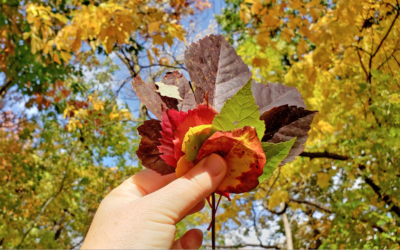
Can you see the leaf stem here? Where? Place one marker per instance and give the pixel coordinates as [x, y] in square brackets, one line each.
[213, 221]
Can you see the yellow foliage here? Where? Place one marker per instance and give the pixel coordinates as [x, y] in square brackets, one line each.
[323, 180]
[277, 197]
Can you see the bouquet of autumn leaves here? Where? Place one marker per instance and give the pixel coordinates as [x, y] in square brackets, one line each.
[255, 127]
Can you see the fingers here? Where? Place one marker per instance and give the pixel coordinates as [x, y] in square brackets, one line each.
[175, 200]
[197, 207]
[145, 182]
[191, 240]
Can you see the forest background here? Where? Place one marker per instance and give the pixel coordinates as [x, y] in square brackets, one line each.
[68, 115]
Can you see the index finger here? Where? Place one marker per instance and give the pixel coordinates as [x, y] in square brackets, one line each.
[146, 181]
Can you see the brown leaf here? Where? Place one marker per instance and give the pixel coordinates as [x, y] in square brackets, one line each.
[185, 91]
[215, 67]
[284, 123]
[151, 99]
[272, 95]
[148, 151]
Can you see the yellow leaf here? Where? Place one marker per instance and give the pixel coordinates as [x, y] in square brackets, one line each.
[323, 180]
[56, 58]
[291, 77]
[26, 35]
[154, 26]
[244, 13]
[158, 39]
[198, 130]
[276, 198]
[76, 45]
[302, 48]
[258, 61]
[65, 56]
[256, 7]
[287, 34]
[150, 57]
[62, 18]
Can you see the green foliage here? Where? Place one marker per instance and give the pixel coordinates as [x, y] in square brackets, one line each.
[240, 111]
[274, 153]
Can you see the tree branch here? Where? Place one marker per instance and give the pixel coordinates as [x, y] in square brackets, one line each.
[5, 87]
[265, 205]
[386, 35]
[163, 65]
[362, 65]
[328, 210]
[394, 208]
[319, 206]
[324, 154]
[243, 245]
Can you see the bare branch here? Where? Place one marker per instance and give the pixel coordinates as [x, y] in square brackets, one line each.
[265, 205]
[163, 65]
[319, 206]
[324, 154]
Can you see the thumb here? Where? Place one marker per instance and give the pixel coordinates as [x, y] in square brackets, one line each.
[176, 199]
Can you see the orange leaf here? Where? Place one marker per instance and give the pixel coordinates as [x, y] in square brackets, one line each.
[243, 154]
[56, 58]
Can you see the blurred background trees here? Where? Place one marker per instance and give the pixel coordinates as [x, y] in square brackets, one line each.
[68, 117]
[343, 56]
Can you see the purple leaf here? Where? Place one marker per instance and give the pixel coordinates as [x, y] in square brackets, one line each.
[215, 68]
[151, 99]
[284, 123]
[272, 95]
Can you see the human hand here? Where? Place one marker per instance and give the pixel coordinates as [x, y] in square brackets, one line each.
[142, 212]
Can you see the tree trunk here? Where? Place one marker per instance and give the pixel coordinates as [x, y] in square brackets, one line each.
[288, 232]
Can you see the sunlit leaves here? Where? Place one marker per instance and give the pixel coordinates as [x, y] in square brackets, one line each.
[343, 58]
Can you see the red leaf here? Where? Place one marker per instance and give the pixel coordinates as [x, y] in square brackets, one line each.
[174, 127]
[201, 115]
[148, 151]
[170, 120]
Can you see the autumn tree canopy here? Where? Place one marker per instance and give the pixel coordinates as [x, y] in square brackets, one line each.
[343, 56]
[67, 139]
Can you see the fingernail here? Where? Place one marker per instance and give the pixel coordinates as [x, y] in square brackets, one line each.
[215, 165]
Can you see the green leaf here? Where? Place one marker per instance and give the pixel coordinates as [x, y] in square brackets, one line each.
[240, 111]
[275, 153]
